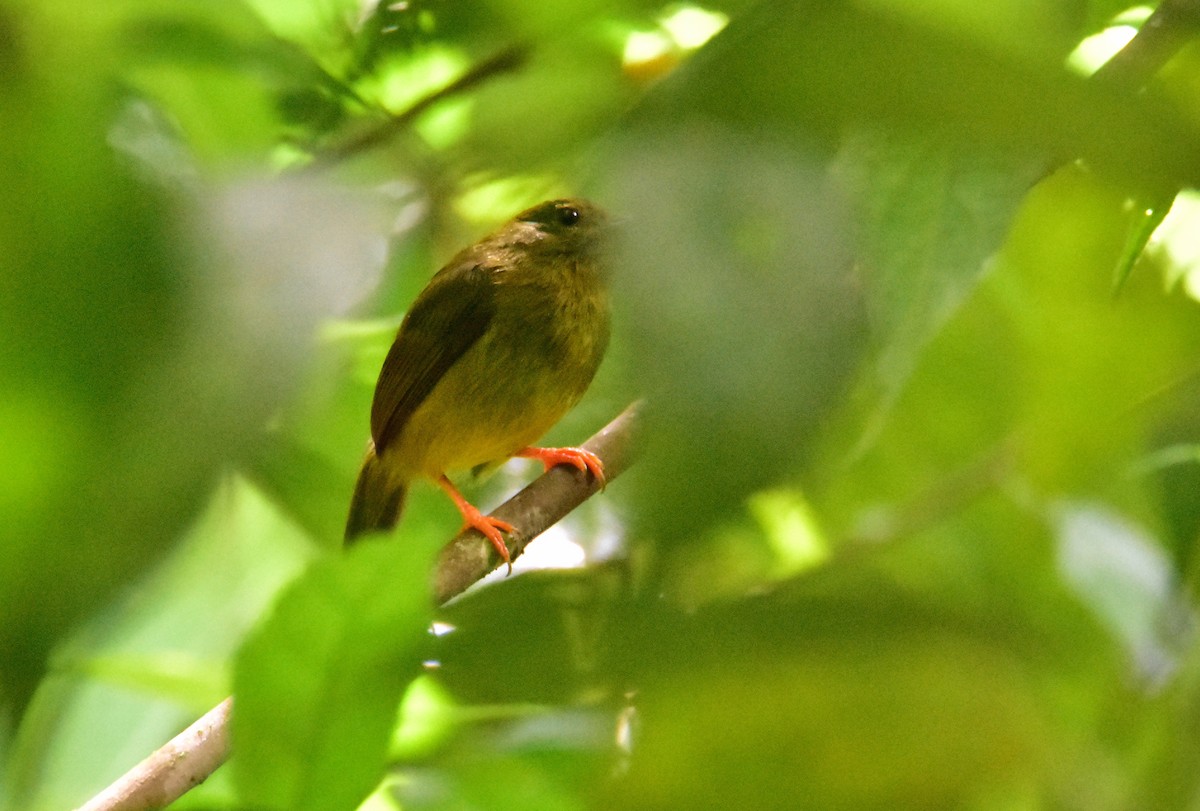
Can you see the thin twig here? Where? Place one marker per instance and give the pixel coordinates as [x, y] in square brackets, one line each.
[1172, 25]
[195, 753]
[507, 60]
[535, 509]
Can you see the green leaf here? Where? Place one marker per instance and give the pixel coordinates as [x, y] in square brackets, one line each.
[846, 689]
[1149, 214]
[317, 687]
[744, 320]
[931, 213]
[92, 307]
[135, 674]
[1126, 579]
[817, 69]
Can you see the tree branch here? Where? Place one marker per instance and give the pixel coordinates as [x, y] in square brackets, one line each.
[185, 762]
[535, 509]
[1171, 26]
[507, 60]
[190, 757]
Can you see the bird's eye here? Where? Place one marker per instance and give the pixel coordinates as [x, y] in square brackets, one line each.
[568, 215]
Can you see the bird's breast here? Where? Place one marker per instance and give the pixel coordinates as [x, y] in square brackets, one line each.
[530, 367]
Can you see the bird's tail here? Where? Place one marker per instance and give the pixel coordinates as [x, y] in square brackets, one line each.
[378, 500]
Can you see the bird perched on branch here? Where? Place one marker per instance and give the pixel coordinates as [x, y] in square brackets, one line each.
[500, 344]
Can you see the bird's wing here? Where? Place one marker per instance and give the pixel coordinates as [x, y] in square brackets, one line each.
[444, 322]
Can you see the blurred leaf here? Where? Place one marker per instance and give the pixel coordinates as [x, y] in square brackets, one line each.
[846, 690]
[524, 662]
[150, 338]
[1044, 29]
[221, 76]
[1170, 471]
[1027, 367]
[936, 721]
[177, 676]
[319, 684]
[931, 215]
[304, 482]
[1080, 426]
[140, 670]
[324, 30]
[744, 321]
[1102, 12]
[543, 661]
[92, 302]
[1127, 580]
[815, 68]
[549, 759]
[831, 221]
[1149, 214]
[568, 95]
[862, 697]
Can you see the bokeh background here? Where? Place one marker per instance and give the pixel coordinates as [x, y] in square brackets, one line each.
[909, 287]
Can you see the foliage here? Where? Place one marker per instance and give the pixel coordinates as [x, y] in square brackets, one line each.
[914, 518]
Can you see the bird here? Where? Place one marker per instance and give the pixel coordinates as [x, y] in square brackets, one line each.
[500, 344]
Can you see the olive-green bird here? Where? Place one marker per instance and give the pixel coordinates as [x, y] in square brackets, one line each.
[500, 344]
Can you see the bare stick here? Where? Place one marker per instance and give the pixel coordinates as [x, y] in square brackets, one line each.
[535, 509]
[186, 761]
[195, 753]
[1166, 31]
[507, 60]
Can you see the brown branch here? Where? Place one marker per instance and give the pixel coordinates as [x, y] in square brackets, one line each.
[1172, 25]
[535, 509]
[507, 60]
[189, 758]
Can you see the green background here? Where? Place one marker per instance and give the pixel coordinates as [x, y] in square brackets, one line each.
[914, 516]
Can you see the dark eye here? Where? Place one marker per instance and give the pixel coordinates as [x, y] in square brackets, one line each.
[568, 215]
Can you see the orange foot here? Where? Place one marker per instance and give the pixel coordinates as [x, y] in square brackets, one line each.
[486, 524]
[576, 457]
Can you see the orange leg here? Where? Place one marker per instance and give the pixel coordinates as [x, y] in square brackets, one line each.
[472, 517]
[576, 457]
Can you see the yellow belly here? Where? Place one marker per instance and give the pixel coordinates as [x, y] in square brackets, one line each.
[472, 419]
